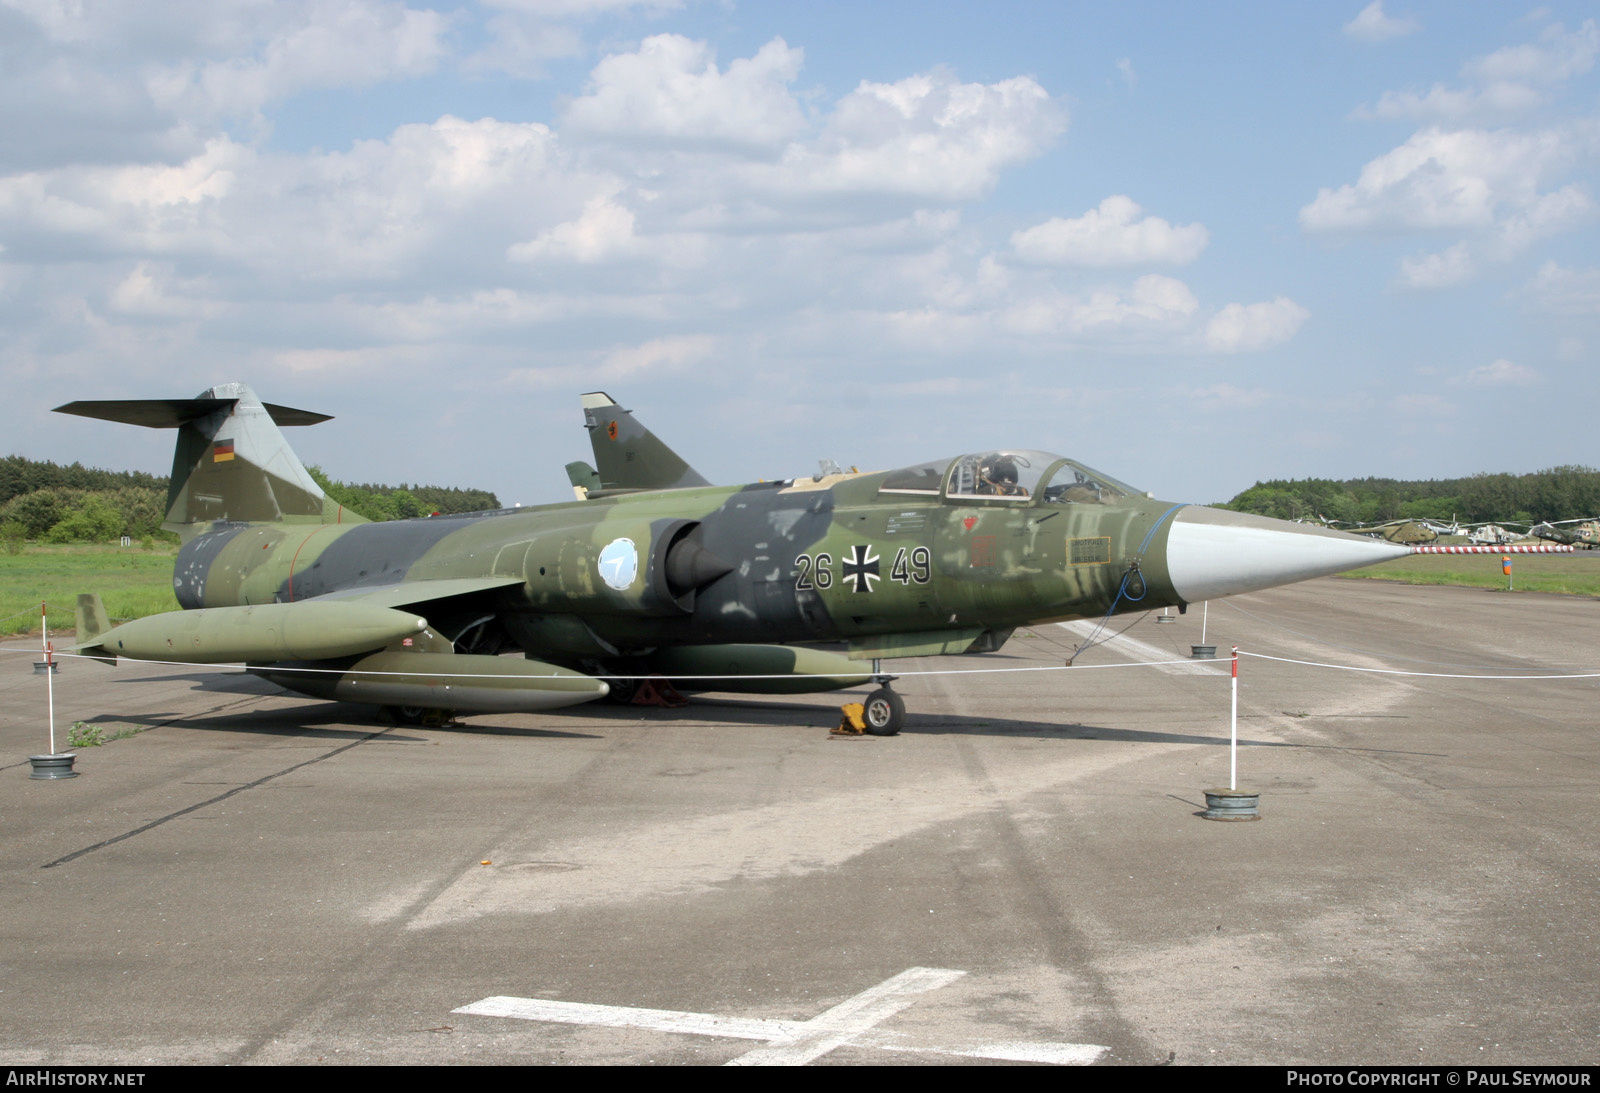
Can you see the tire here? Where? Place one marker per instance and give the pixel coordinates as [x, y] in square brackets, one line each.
[622, 690]
[884, 712]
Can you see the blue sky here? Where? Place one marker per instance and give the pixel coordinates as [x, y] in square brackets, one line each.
[1192, 245]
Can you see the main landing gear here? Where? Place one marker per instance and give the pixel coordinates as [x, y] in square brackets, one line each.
[426, 716]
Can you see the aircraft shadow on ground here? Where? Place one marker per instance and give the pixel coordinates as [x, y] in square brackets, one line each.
[336, 720]
[239, 682]
[318, 720]
[747, 712]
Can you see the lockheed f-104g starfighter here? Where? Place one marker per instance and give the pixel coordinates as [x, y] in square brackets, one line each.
[779, 587]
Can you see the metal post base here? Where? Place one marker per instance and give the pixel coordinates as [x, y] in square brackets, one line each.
[1232, 804]
[53, 766]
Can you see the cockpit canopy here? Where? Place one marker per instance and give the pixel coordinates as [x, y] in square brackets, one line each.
[1010, 475]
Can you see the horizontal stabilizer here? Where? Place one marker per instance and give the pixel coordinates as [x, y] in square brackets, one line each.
[171, 413]
[230, 462]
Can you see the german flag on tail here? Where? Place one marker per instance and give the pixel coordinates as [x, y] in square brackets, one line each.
[222, 451]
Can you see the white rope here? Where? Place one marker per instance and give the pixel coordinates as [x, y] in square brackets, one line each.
[266, 668]
[353, 670]
[1398, 672]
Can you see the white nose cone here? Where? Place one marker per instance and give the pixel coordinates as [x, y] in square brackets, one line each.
[1213, 553]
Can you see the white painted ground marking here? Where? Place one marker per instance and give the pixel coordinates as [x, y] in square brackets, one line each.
[583, 1013]
[1142, 650]
[795, 1043]
[844, 1022]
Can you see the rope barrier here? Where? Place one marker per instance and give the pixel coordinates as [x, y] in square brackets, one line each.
[1398, 672]
[1358, 650]
[865, 671]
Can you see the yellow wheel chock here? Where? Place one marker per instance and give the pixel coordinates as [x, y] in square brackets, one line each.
[854, 721]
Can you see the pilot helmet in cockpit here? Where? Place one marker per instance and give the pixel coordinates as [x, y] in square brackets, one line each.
[997, 474]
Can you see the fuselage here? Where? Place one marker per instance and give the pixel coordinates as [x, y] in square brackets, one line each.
[835, 559]
[942, 557]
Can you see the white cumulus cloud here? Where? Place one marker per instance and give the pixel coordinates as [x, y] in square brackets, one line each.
[604, 230]
[1501, 373]
[928, 136]
[1373, 24]
[1558, 55]
[1561, 291]
[1496, 187]
[1450, 266]
[1504, 84]
[325, 44]
[671, 89]
[1447, 179]
[1111, 235]
[1244, 327]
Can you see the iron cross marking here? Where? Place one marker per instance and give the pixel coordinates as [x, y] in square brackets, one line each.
[861, 568]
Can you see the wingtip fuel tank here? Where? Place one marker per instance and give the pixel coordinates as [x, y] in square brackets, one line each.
[261, 633]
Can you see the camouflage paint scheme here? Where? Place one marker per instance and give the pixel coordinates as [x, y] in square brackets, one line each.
[652, 569]
[993, 566]
[1579, 533]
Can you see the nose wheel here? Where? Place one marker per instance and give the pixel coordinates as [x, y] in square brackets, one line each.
[884, 712]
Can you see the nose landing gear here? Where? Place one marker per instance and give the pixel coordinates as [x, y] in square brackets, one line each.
[884, 712]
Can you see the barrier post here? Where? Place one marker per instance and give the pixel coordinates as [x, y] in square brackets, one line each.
[49, 673]
[1233, 726]
[56, 764]
[1233, 803]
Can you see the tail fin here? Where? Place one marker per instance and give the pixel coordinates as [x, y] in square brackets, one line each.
[628, 455]
[231, 461]
[584, 478]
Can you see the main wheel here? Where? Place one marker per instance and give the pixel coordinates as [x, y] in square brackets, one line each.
[884, 713]
[622, 690]
[418, 715]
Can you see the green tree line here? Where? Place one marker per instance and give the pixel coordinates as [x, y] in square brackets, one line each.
[1557, 493]
[403, 502]
[47, 502]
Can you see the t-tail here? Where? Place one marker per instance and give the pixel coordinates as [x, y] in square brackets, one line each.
[628, 456]
[231, 463]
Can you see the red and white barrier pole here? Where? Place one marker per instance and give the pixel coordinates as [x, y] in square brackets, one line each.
[1527, 548]
[49, 672]
[1233, 727]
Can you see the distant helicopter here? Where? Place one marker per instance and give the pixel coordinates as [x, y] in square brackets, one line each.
[1491, 534]
[1401, 531]
[1583, 532]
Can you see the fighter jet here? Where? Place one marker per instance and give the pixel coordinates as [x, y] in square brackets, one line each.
[780, 587]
